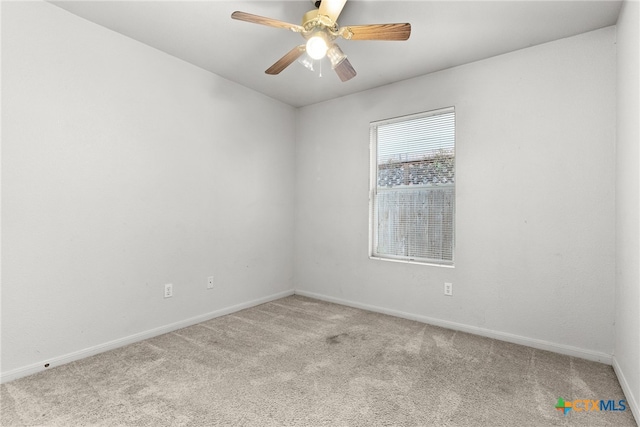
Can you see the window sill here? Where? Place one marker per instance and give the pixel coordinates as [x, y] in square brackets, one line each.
[407, 261]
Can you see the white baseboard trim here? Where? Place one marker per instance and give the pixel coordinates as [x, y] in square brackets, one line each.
[632, 400]
[502, 336]
[111, 345]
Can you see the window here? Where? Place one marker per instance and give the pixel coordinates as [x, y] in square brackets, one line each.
[412, 188]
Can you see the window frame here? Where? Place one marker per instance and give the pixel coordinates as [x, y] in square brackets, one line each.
[373, 190]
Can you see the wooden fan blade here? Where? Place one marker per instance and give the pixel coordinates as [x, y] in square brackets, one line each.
[345, 70]
[286, 60]
[247, 17]
[377, 32]
[331, 8]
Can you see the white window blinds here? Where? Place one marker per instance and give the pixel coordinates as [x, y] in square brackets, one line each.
[413, 187]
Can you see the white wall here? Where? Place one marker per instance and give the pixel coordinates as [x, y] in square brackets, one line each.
[535, 198]
[627, 342]
[124, 169]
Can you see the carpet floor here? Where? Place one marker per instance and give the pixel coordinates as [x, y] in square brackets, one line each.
[303, 362]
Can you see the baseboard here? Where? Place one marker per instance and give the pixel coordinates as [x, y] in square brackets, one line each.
[632, 400]
[111, 345]
[502, 336]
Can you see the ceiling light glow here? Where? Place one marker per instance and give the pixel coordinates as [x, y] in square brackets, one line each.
[317, 46]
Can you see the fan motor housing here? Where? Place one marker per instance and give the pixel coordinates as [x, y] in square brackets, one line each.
[309, 17]
[313, 19]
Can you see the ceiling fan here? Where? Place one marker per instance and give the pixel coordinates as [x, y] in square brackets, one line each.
[320, 29]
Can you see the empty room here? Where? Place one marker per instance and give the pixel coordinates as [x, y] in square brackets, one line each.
[335, 213]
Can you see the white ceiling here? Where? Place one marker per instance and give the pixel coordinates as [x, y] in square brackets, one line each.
[444, 34]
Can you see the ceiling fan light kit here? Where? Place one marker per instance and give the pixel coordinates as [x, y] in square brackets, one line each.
[317, 45]
[306, 62]
[336, 56]
[320, 28]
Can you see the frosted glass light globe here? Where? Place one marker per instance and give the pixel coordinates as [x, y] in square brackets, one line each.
[317, 47]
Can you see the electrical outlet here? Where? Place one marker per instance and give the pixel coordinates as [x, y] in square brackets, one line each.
[168, 290]
[448, 289]
[210, 282]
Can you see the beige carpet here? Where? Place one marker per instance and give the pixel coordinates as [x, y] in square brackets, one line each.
[303, 362]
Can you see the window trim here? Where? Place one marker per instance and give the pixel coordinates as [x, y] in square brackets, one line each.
[373, 188]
